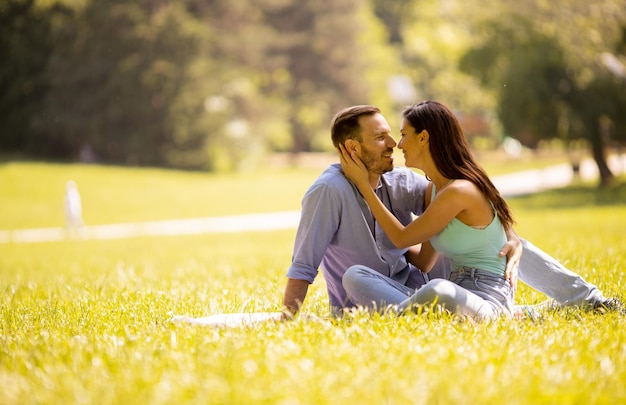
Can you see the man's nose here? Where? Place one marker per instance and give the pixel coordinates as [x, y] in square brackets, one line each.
[391, 142]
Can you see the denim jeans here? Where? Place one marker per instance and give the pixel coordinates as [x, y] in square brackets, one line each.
[544, 273]
[474, 293]
[539, 270]
[488, 286]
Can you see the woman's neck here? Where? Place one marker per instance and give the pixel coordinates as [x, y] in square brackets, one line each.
[434, 175]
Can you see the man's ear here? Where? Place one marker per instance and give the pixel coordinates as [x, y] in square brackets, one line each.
[353, 146]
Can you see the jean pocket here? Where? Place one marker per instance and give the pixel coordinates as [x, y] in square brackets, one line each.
[496, 287]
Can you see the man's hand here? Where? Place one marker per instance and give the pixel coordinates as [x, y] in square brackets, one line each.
[295, 292]
[513, 250]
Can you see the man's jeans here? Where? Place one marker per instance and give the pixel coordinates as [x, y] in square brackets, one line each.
[545, 274]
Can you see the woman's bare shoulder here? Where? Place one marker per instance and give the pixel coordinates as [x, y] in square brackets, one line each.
[465, 189]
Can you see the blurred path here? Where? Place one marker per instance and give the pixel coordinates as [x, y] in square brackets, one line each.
[532, 181]
[232, 223]
[510, 185]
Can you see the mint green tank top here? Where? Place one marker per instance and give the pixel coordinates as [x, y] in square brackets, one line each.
[471, 247]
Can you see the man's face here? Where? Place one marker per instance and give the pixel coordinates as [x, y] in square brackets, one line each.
[377, 146]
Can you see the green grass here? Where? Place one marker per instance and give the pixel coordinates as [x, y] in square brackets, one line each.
[87, 321]
[35, 191]
[32, 193]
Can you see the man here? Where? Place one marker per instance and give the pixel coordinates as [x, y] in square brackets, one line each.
[337, 230]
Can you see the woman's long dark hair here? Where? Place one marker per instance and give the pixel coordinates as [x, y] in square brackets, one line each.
[451, 152]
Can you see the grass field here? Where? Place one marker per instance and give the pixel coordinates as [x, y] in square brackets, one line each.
[86, 321]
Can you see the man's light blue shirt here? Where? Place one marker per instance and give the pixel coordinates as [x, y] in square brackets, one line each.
[337, 230]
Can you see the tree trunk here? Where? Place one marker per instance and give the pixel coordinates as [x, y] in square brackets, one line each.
[599, 155]
[300, 136]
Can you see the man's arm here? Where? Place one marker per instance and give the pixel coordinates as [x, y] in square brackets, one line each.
[412, 255]
[422, 256]
[319, 221]
[513, 250]
[295, 293]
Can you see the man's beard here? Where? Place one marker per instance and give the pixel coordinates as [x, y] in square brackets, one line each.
[374, 162]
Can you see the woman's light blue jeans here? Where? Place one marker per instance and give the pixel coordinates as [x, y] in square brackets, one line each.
[544, 273]
[469, 292]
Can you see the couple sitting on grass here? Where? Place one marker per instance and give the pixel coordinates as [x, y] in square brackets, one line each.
[358, 224]
[460, 254]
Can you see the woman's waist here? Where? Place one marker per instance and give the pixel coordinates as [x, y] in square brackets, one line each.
[495, 265]
[472, 271]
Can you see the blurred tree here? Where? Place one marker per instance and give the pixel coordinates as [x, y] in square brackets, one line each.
[25, 48]
[315, 43]
[200, 83]
[395, 15]
[616, 64]
[125, 82]
[432, 36]
[550, 79]
[290, 66]
[529, 73]
[247, 119]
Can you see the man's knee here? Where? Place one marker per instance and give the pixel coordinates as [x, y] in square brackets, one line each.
[353, 277]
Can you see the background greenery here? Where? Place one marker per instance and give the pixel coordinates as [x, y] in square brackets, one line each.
[86, 321]
[217, 84]
[112, 194]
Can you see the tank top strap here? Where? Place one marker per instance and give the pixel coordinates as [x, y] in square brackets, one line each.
[433, 191]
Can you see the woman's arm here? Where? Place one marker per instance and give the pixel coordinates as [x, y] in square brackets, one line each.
[438, 214]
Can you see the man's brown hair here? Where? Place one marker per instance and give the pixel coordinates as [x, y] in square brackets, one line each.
[345, 124]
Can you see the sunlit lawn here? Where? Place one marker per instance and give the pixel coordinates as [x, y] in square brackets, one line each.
[113, 194]
[87, 321]
[32, 193]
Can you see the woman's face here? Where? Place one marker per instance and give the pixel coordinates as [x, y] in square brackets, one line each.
[411, 146]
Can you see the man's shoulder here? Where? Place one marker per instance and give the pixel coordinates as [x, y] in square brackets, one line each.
[328, 191]
[332, 177]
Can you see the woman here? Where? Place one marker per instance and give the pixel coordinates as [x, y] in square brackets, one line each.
[465, 219]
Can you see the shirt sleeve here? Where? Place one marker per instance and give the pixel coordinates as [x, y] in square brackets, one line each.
[319, 221]
[407, 190]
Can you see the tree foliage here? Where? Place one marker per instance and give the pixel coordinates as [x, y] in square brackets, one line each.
[191, 84]
[549, 78]
[126, 82]
[434, 36]
[528, 70]
[25, 46]
[318, 44]
[214, 84]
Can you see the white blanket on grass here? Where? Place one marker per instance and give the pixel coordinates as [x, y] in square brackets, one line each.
[229, 320]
